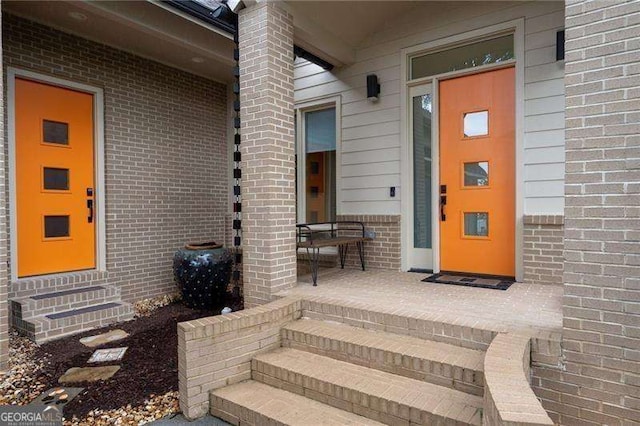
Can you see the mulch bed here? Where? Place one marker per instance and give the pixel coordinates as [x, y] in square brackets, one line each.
[149, 367]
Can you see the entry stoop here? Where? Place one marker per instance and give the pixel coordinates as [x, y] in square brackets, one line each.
[49, 315]
[388, 363]
[333, 373]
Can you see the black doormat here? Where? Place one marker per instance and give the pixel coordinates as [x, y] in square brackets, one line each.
[480, 281]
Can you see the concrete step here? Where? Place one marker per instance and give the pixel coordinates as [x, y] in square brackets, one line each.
[375, 394]
[59, 324]
[254, 403]
[64, 300]
[435, 362]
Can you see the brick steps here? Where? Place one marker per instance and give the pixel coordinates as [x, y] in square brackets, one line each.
[375, 394]
[46, 303]
[46, 316]
[435, 362]
[254, 403]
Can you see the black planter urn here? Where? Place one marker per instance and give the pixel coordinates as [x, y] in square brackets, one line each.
[202, 273]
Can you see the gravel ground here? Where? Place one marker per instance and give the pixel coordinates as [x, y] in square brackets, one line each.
[25, 379]
[144, 390]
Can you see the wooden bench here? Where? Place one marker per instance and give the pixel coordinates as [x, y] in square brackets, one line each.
[314, 236]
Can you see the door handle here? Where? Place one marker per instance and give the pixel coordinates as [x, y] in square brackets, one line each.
[90, 204]
[90, 207]
[443, 202]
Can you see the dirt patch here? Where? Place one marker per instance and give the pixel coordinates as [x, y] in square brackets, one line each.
[149, 367]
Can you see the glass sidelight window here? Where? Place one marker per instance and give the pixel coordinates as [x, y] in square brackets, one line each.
[422, 107]
[319, 130]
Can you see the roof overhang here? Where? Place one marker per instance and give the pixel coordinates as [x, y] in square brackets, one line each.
[149, 29]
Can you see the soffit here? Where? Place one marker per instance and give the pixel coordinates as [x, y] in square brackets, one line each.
[147, 29]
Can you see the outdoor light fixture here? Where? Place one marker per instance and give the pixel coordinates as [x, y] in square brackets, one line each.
[373, 87]
[560, 45]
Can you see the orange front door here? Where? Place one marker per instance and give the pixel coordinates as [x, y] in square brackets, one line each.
[477, 173]
[54, 179]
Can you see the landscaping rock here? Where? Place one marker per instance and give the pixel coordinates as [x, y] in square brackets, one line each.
[101, 339]
[88, 374]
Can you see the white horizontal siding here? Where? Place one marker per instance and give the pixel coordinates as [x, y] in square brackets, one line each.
[370, 137]
[544, 116]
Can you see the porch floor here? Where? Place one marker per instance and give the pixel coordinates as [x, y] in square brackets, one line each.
[535, 309]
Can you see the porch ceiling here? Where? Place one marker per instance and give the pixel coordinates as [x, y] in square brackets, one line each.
[333, 30]
[147, 29]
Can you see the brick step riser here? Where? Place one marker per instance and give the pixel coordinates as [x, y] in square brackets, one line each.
[31, 286]
[237, 415]
[443, 374]
[457, 335]
[48, 329]
[255, 404]
[32, 308]
[374, 407]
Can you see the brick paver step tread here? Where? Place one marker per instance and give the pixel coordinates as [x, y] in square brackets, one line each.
[252, 402]
[390, 342]
[85, 310]
[387, 395]
[66, 292]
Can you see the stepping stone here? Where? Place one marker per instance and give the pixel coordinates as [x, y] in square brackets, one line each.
[105, 355]
[101, 339]
[56, 396]
[88, 374]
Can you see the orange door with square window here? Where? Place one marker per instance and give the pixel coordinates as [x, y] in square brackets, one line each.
[477, 173]
[54, 179]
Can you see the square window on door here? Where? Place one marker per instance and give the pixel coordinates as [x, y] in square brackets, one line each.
[476, 124]
[56, 226]
[55, 179]
[315, 168]
[476, 224]
[476, 174]
[55, 132]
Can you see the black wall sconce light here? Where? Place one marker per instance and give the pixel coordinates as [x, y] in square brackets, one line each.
[373, 87]
[560, 45]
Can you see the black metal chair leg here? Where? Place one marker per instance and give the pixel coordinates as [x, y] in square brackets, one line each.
[342, 250]
[360, 246]
[313, 263]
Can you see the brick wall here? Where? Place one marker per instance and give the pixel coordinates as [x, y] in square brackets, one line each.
[543, 245]
[601, 335]
[216, 351]
[4, 243]
[383, 252]
[165, 150]
[506, 377]
[268, 149]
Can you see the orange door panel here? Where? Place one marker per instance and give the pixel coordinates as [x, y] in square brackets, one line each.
[54, 179]
[477, 173]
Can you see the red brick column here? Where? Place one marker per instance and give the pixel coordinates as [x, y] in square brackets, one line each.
[268, 149]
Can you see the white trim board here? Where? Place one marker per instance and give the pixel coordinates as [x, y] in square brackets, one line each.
[517, 28]
[98, 124]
